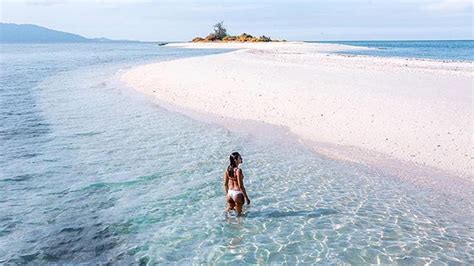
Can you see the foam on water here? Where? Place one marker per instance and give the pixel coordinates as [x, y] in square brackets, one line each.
[94, 172]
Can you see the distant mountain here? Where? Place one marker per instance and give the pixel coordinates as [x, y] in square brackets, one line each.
[27, 33]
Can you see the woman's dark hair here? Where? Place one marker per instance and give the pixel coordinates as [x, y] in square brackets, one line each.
[233, 163]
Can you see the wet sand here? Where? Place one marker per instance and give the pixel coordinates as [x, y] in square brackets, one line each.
[408, 117]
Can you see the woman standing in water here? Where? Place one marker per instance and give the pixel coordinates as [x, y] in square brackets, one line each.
[234, 184]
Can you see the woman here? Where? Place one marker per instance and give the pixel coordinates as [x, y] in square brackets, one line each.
[234, 184]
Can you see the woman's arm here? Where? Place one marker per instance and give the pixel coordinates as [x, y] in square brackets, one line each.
[226, 182]
[240, 179]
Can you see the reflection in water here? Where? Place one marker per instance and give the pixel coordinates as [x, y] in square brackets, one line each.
[278, 214]
[96, 174]
[235, 242]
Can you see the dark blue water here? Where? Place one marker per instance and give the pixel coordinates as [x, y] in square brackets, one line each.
[93, 172]
[460, 50]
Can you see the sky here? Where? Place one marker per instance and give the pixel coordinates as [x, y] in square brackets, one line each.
[181, 20]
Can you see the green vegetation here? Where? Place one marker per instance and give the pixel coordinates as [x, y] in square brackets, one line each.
[220, 35]
[220, 31]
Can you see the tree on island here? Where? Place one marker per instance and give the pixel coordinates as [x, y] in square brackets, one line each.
[219, 30]
[220, 34]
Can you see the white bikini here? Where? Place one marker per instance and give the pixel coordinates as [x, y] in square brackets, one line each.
[233, 193]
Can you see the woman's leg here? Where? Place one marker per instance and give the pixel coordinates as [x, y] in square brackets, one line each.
[230, 203]
[239, 202]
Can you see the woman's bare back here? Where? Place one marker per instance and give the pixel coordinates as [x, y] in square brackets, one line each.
[233, 181]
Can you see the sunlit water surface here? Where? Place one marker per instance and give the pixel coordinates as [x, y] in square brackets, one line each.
[451, 50]
[93, 172]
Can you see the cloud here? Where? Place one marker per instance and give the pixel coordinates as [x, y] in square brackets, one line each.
[45, 2]
[451, 5]
[222, 8]
[56, 2]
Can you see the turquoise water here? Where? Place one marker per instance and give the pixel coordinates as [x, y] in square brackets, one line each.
[93, 172]
[461, 50]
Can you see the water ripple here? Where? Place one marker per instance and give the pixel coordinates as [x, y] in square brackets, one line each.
[95, 173]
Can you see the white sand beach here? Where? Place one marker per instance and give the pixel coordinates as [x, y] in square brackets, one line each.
[400, 114]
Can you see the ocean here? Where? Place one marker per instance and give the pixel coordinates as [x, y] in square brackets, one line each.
[460, 50]
[94, 172]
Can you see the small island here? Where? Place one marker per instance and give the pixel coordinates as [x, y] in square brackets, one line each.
[220, 35]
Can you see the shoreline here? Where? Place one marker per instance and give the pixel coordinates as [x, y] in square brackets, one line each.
[383, 54]
[456, 187]
[331, 51]
[237, 71]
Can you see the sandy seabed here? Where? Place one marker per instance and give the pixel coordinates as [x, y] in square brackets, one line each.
[408, 117]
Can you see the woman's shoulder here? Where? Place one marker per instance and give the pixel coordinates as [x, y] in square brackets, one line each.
[239, 171]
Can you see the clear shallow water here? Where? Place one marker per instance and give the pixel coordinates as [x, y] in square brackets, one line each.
[462, 50]
[93, 172]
